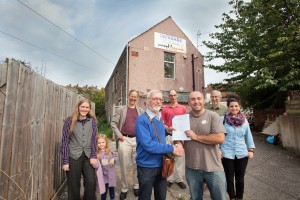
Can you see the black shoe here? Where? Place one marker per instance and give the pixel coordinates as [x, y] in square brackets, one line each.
[169, 184]
[181, 185]
[136, 192]
[123, 195]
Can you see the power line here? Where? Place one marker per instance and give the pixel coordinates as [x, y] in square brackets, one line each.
[66, 32]
[48, 51]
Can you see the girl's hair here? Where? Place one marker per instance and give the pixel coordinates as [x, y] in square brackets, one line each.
[76, 113]
[107, 148]
[232, 98]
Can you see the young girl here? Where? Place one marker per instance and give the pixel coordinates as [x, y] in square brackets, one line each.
[107, 159]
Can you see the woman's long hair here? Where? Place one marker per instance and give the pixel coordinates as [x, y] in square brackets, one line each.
[75, 114]
[107, 147]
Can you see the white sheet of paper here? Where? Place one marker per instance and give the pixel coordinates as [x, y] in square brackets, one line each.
[181, 123]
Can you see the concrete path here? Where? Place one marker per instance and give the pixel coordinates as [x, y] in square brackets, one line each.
[273, 174]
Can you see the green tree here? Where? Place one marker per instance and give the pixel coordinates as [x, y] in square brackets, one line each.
[260, 44]
[98, 97]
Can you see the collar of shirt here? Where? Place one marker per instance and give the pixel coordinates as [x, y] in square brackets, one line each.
[170, 106]
[152, 114]
[216, 108]
[83, 120]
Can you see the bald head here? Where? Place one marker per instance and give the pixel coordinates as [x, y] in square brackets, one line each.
[197, 102]
[173, 97]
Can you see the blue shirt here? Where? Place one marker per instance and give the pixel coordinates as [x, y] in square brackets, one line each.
[149, 151]
[237, 141]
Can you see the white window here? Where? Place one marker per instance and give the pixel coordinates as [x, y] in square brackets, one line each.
[169, 65]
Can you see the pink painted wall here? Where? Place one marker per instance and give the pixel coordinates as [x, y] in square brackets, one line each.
[146, 71]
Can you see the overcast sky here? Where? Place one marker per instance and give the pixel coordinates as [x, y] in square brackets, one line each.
[84, 39]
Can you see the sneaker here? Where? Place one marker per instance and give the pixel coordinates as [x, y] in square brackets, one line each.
[123, 195]
[136, 192]
[181, 185]
[169, 184]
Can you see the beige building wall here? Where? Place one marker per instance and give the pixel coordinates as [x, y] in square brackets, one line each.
[146, 71]
[146, 68]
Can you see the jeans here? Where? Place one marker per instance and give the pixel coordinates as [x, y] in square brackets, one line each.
[111, 192]
[215, 181]
[235, 168]
[149, 178]
[82, 165]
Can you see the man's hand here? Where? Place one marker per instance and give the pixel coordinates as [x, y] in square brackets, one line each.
[66, 168]
[178, 150]
[170, 129]
[191, 134]
[121, 139]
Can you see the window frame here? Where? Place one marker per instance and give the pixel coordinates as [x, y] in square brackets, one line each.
[174, 65]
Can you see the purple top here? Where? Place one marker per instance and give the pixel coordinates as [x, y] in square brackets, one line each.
[109, 173]
[66, 139]
[129, 124]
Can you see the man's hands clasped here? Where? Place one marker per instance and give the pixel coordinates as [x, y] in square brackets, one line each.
[178, 150]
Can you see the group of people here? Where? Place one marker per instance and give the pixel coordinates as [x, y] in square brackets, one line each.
[217, 152]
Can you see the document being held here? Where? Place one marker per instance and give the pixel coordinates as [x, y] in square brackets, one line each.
[181, 123]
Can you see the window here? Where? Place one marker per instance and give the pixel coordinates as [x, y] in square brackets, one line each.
[169, 65]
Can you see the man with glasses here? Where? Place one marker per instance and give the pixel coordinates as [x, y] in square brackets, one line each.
[151, 146]
[123, 125]
[168, 112]
[215, 104]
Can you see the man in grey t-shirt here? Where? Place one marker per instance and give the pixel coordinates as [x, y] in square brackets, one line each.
[203, 162]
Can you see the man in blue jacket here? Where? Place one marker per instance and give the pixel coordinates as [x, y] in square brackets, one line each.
[150, 149]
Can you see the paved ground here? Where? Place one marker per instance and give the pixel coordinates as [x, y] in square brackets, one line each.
[273, 174]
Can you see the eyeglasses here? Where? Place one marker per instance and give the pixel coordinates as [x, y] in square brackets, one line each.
[173, 95]
[157, 99]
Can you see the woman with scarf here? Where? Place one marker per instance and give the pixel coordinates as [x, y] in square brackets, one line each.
[237, 148]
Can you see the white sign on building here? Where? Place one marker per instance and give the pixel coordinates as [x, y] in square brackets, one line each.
[168, 42]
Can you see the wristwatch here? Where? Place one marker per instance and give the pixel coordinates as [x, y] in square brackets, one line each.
[251, 150]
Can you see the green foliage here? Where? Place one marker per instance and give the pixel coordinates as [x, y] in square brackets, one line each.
[260, 43]
[104, 126]
[98, 97]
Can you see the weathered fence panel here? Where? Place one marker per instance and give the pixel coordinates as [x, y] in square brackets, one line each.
[290, 134]
[32, 110]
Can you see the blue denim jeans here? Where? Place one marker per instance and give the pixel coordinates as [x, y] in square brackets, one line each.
[149, 178]
[215, 181]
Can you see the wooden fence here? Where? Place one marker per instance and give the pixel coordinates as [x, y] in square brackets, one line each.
[32, 110]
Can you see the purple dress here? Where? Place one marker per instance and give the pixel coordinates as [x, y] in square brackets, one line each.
[109, 173]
